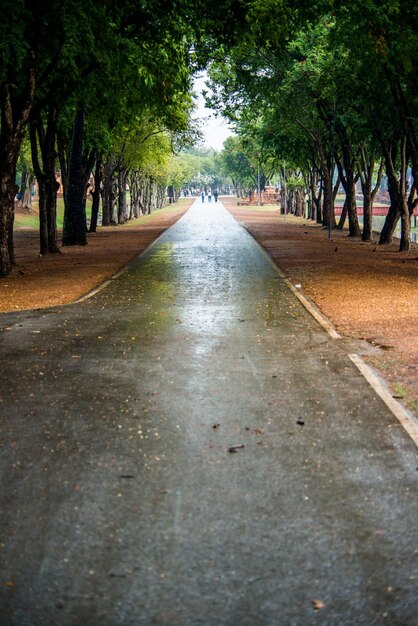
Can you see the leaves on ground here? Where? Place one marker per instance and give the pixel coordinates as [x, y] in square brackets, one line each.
[318, 604]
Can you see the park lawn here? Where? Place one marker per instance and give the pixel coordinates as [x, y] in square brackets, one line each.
[24, 220]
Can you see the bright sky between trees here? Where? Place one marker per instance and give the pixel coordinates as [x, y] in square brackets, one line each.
[215, 129]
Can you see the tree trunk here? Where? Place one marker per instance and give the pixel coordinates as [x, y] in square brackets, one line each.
[47, 140]
[52, 187]
[62, 157]
[107, 196]
[405, 242]
[74, 233]
[43, 219]
[343, 215]
[41, 178]
[7, 195]
[25, 197]
[366, 171]
[403, 205]
[367, 234]
[96, 196]
[348, 181]
[392, 218]
[26, 200]
[353, 224]
[122, 196]
[299, 203]
[328, 215]
[314, 192]
[88, 161]
[320, 202]
[13, 117]
[327, 198]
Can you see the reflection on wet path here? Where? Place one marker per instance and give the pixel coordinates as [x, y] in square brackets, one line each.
[216, 275]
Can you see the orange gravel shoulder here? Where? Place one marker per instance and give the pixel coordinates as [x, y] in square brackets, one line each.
[367, 291]
[38, 282]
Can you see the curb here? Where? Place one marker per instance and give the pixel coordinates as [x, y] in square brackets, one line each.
[401, 413]
[404, 417]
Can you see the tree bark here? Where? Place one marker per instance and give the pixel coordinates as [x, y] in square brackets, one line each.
[25, 200]
[63, 161]
[13, 117]
[7, 195]
[366, 171]
[108, 193]
[45, 175]
[74, 233]
[41, 178]
[96, 196]
[328, 213]
[348, 181]
[122, 216]
[405, 241]
[343, 215]
[392, 218]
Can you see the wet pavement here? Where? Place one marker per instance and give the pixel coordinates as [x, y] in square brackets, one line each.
[120, 501]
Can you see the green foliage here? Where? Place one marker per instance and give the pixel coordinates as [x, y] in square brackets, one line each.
[237, 164]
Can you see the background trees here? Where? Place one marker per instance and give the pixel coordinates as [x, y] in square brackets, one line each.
[333, 85]
[328, 89]
[79, 78]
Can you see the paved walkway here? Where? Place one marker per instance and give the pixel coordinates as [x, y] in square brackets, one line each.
[120, 503]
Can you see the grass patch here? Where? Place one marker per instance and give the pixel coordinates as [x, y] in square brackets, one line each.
[31, 220]
[405, 394]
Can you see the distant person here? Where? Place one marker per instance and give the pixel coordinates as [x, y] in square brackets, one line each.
[209, 195]
[215, 195]
[203, 195]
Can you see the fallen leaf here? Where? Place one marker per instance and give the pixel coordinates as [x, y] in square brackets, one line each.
[318, 604]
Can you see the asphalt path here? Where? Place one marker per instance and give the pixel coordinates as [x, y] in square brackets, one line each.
[124, 500]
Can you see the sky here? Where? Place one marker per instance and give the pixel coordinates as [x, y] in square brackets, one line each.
[215, 129]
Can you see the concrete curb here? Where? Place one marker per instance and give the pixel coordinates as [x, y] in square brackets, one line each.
[309, 305]
[314, 311]
[405, 418]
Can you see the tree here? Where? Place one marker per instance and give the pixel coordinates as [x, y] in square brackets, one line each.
[46, 48]
[237, 165]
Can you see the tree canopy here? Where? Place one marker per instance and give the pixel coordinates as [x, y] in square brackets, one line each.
[332, 87]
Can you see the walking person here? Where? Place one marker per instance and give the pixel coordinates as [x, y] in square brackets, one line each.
[203, 195]
[209, 195]
[215, 195]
